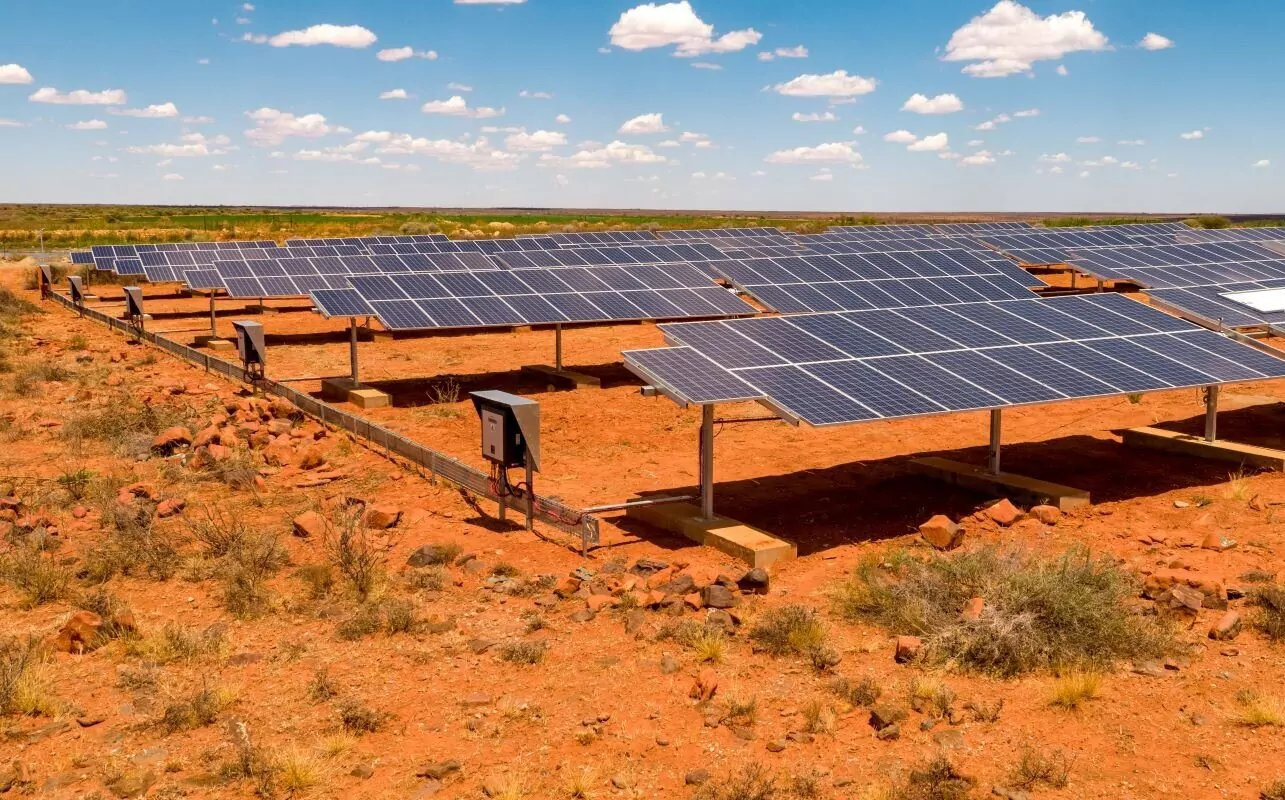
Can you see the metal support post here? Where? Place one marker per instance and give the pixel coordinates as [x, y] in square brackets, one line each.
[1211, 413]
[707, 461]
[997, 426]
[213, 324]
[1101, 283]
[1073, 274]
[504, 508]
[530, 492]
[557, 346]
[352, 351]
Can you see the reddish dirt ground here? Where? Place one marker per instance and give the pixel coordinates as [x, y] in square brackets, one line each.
[841, 494]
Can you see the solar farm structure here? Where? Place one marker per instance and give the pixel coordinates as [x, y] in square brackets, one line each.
[854, 326]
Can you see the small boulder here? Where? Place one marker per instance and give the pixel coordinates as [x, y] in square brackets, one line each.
[705, 686]
[312, 459]
[1216, 541]
[1228, 627]
[171, 439]
[697, 777]
[1183, 600]
[908, 648]
[439, 770]
[1049, 515]
[718, 596]
[884, 715]
[206, 437]
[942, 533]
[755, 581]
[1003, 513]
[170, 506]
[311, 525]
[278, 454]
[382, 517]
[81, 633]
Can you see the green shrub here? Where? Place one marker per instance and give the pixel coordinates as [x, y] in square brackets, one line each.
[788, 630]
[1041, 613]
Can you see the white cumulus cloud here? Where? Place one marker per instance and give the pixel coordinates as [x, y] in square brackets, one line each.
[941, 104]
[87, 125]
[394, 54]
[798, 51]
[644, 124]
[530, 95]
[562, 119]
[394, 94]
[161, 111]
[1262, 163]
[653, 25]
[80, 97]
[1056, 158]
[604, 156]
[900, 137]
[815, 116]
[930, 144]
[1197, 134]
[350, 36]
[538, 142]
[172, 176]
[192, 145]
[1010, 38]
[979, 159]
[1154, 41]
[835, 84]
[273, 127]
[13, 73]
[457, 106]
[829, 153]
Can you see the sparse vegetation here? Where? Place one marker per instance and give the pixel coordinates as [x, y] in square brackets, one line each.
[179, 643]
[751, 782]
[352, 548]
[789, 630]
[24, 680]
[322, 688]
[358, 718]
[1035, 769]
[1075, 688]
[1276, 791]
[936, 780]
[862, 693]
[1068, 611]
[1258, 710]
[1269, 617]
[36, 574]
[196, 710]
[526, 652]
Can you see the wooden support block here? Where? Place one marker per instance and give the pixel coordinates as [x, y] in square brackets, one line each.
[369, 398]
[1020, 488]
[1184, 444]
[336, 390]
[563, 377]
[220, 344]
[751, 545]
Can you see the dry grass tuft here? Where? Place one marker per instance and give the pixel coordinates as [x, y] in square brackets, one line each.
[358, 718]
[197, 710]
[789, 630]
[1075, 688]
[35, 574]
[1270, 615]
[176, 643]
[1035, 769]
[751, 782]
[1259, 710]
[936, 780]
[528, 653]
[862, 693]
[1041, 613]
[25, 679]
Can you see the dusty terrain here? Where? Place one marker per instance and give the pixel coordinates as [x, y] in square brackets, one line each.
[212, 685]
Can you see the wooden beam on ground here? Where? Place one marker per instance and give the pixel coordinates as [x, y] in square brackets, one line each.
[1019, 488]
[1184, 444]
[751, 545]
[566, 378]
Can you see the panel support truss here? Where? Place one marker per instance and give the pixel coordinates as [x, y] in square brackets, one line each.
[707, 461]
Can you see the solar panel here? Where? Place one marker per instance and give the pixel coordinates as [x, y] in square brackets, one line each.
[203, 279]
[829, 369]
[82, 257]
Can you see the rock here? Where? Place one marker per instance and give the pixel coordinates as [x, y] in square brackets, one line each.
[567, 587]
[311, 459]
[620, 781]
[889, 733]
[278, 454]
[439, 770]
[942, 533]
[719, 617]
[280, 427]
[1150, 669]
[907, 649]
[363, 771]
[949, 739]
[1226, 628]
[89, 721]
[776, 746]
[973, 609]
[1183, 600]
[598, 602]
[583, 615]
[1181, 504]
[634, 621]
[476, 700]
[697, 777]
[705, 686]
[475, 566]
[81, 633]
[133, 783]
[668, 665]
[683, 584]
[430, 555]
[716, 596]
[171, 506]
[1009, 794]
[1003, 513]
[1049, 515]
[171, 439]
[311, 525]
[883, 715]
[1216, 541]
[382, 518]
[754, 582]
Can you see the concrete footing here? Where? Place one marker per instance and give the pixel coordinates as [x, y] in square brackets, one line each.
[215, 343]
[1184, 444]
[343, 390]
[1020, 488]
[563, 377]
[751, 545]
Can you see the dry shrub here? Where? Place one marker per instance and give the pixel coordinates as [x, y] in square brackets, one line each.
[524, 652]
[126, 427]
[862, 693]
[1041, 613]
[179, 643]
[322, 687]
[319, 578]
[36, 575]
[1034, 769]
[248, 566]
[133, 546]
[112, 610]
[750, 782]
[790, 630]
[196, 710]
[358, 718]
[1075, 688]
[1274, 792]
[1258, 710]
[356, 551]
[24, 680]
[936, 780]
[1270, 616]
[391, 616]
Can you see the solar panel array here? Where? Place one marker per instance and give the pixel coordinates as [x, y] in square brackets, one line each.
[542, 296]
[1171, 266]
[974, 228]
[876, 280]
[721, 233]
[846, 367]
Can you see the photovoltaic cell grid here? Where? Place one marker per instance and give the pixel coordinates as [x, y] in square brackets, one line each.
[850, 282]
[721, 233]
[1176, 266]
[974, 228]
[543, 296]
[1207, 303]
[840, 368]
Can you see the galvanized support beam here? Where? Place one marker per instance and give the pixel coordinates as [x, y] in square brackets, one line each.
[997, 431]
[707, 461]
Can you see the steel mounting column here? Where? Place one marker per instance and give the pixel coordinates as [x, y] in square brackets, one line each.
[707, 461]
[997, 428]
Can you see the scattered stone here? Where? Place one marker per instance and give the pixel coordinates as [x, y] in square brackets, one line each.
[363, 771]
[598, 602]
[583, 615]
[775, 746]
[171, 439]
[133, 783]
[889, 733]
[170, 507]
[1183, 600]
[245, 659]
[1216, 541]
[942, 533]
[716, 596]
[883, 715]
[1226, 628]
[634, 621]
[743, 732]
[382, 518]
[311, 459]
[668, 665]
[705, 686]
[908, 649]
[620, 781]
[696, 777]
[311, 525]
[662, 741]
[949, 739]
[81, 633]
[1150, 669]
[1181, 504]
[476, 700]
[439, 770]
[429, 555]
[480, 646]
[1049, 515]
[89, 722]
[567, 587]
[756, 581]
[1004, 513]
[1009, 794]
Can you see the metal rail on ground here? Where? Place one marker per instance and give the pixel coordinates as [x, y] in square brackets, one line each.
[439, 465]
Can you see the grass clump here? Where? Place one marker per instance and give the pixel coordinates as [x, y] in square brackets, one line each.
[789, 630]
[1269, 618]
[392, 616]
[133, 546]
[197, 710]
[529, 653]
[1274, 792]
[929, 695]
[1258, 710]
[176, 643]
[936, 780]
[864, 692]
[1041, 613]
[1034, 769]
[1075, 688]
[322, 687]
[24, 681]
[751, 782]
[296, 770]
[353, 550]
[36, 575]
[358, 718]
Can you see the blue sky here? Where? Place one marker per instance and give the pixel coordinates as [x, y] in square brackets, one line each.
[920, 105]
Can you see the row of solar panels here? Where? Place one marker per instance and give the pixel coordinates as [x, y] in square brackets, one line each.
[830, 369]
